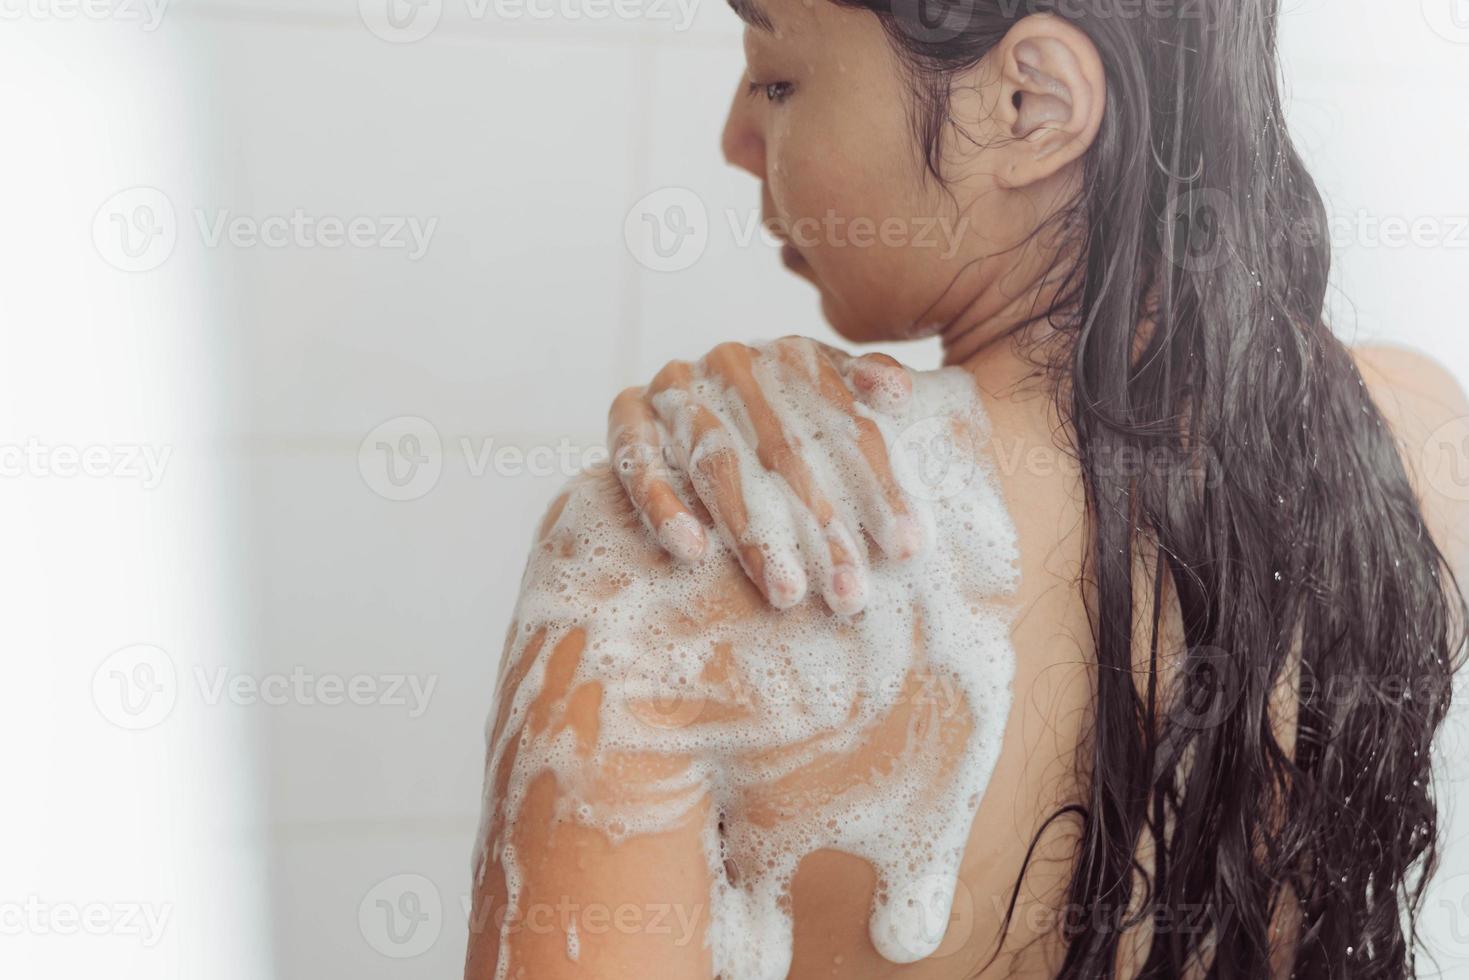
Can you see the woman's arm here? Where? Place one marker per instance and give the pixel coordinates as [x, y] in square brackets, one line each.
[583, 905]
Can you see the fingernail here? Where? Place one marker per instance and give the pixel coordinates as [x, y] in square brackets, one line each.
[785, 584]
[883, 388]
[848, 591]
[906, 537]
[682, 537]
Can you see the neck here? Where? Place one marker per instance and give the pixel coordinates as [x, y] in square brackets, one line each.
[999, 313]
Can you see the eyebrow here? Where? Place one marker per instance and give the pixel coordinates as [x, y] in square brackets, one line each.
[752, 13]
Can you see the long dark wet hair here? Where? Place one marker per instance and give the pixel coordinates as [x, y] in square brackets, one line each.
[1274, 498]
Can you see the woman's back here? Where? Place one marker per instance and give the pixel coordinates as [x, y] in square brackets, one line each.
[772, 793]
[1035, 776]
[669, 701]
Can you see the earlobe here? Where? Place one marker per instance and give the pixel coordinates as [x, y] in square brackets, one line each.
[1054, 92]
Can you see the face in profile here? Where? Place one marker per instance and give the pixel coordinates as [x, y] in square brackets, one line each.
[827, 119]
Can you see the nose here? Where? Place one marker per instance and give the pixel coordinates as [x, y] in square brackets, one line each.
[743, 142]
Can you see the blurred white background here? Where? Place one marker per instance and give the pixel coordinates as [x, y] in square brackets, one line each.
[266, 495]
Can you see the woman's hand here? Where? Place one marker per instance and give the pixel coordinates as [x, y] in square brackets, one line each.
[793, 511]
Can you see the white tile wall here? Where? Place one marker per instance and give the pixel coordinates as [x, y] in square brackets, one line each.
[349, 582]
[498, 149]
[371, 901]
[529, 140]
[1383, 153]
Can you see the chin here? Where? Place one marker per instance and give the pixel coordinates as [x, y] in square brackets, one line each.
[857, 320]
[837, 319]
[854, 328]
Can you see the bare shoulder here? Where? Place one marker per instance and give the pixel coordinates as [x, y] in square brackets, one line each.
[1412, 378]
[1428, 411]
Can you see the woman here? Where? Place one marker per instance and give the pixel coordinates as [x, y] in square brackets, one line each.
[1185, 624]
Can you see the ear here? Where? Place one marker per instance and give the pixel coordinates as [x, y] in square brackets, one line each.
[1053, 90]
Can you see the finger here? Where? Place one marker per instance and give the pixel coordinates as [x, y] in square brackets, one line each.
[845, 579]
[670, 395]
[637, 458]
[880, 382]
[706, 449]
[888, 519]
[843, 573]
[881, 506]
[715, 471]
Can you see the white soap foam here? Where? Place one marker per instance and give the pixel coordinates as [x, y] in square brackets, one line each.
[809, 686]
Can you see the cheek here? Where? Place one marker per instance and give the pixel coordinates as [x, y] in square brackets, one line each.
[856, 222]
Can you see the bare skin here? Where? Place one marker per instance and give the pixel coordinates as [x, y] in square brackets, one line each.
[826, 130]
[662, 877]
[832, 893]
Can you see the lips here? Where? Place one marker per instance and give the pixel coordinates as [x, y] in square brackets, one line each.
[791, 258]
